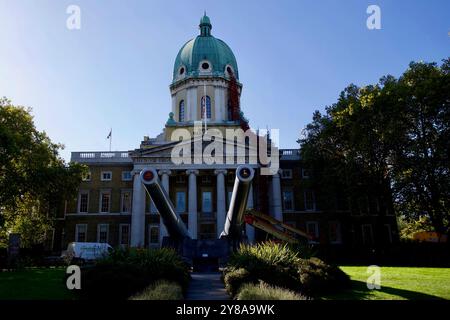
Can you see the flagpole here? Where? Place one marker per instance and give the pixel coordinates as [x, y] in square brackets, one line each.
[204, 110]
[110, 140]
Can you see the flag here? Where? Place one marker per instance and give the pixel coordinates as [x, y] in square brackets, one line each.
[109, 135]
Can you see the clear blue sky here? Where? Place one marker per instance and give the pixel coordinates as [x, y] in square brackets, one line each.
[294, 57]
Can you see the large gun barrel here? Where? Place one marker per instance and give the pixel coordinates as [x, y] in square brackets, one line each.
[175, 226]
[238, 203]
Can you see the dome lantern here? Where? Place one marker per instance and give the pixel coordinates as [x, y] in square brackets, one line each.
[205, 26]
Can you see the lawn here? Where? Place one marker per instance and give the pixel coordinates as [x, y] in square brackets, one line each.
[398, 283]
[34, 283]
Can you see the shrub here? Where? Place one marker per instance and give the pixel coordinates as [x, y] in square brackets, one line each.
[304, 250]
[271, 262]
[263, 291]
[280, 266]
[161, 290]
[126, 272]
[164, 263]
[317, 277]
[112, 281]
[235, 278]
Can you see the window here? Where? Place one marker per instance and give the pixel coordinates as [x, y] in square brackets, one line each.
[83, 202]
[181, 70]
[124, 235]
[374, 205]
[207, 231]
[181, 111]
[363, 205]
[387, 233]
[81, 233]
[206, 179]
[286, 174]
[389, 211]
[105, 199]
[305, 173]
[208, 107]
[86, 176]
[106, 176]
[180, 179]
[230, 111]
[334, 229]
[310, 202]
[312, 228]
[153, 235]
[288, 200]
[367, 234]
[205, 65]
[126, 202]
[126, 176]
[102, 233]
[181, 201]
[207, 201]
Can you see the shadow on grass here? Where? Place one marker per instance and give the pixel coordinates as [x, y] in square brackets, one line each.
[359, 291]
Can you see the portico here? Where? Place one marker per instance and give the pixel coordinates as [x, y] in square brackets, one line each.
[206, 190]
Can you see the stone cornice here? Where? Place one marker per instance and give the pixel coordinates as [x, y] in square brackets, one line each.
[195, 82]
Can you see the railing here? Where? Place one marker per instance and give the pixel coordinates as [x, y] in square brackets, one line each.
[289, 154]
[101, 156]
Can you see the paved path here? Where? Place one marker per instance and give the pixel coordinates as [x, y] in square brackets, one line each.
[206, 286]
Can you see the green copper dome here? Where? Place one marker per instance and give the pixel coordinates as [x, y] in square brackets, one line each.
[204, 55]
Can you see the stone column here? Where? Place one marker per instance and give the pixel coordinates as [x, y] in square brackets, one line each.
[219, 101]
[276, 197]
[138, 213]
[250, 230]
[221, 201]
[165, 183]
[192, 196]
[191, 104]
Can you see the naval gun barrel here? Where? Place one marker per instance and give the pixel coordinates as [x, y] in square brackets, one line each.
[238, 202]
[175, 226]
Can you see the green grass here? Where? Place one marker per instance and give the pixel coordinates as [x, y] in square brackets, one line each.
[398, 283]
[161, 290]
[33, 284]
[263, 291]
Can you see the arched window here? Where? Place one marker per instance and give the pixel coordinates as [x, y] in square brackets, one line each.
[230, 111]
[181, 111]
[208, 107]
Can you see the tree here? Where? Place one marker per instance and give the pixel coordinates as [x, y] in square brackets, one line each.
[408, 228]
[34, 180]
[389, 140]
[422, 167]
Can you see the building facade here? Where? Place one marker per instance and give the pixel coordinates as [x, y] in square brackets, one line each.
[112, 206]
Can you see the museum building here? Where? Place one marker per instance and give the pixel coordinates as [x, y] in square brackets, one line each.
[112, 206]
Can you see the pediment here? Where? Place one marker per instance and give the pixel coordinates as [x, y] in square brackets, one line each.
[165, 150]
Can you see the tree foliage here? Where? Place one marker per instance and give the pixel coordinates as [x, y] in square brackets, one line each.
[34, 180]
[390, 141]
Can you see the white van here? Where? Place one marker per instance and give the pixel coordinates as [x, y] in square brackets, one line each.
[85, 251]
